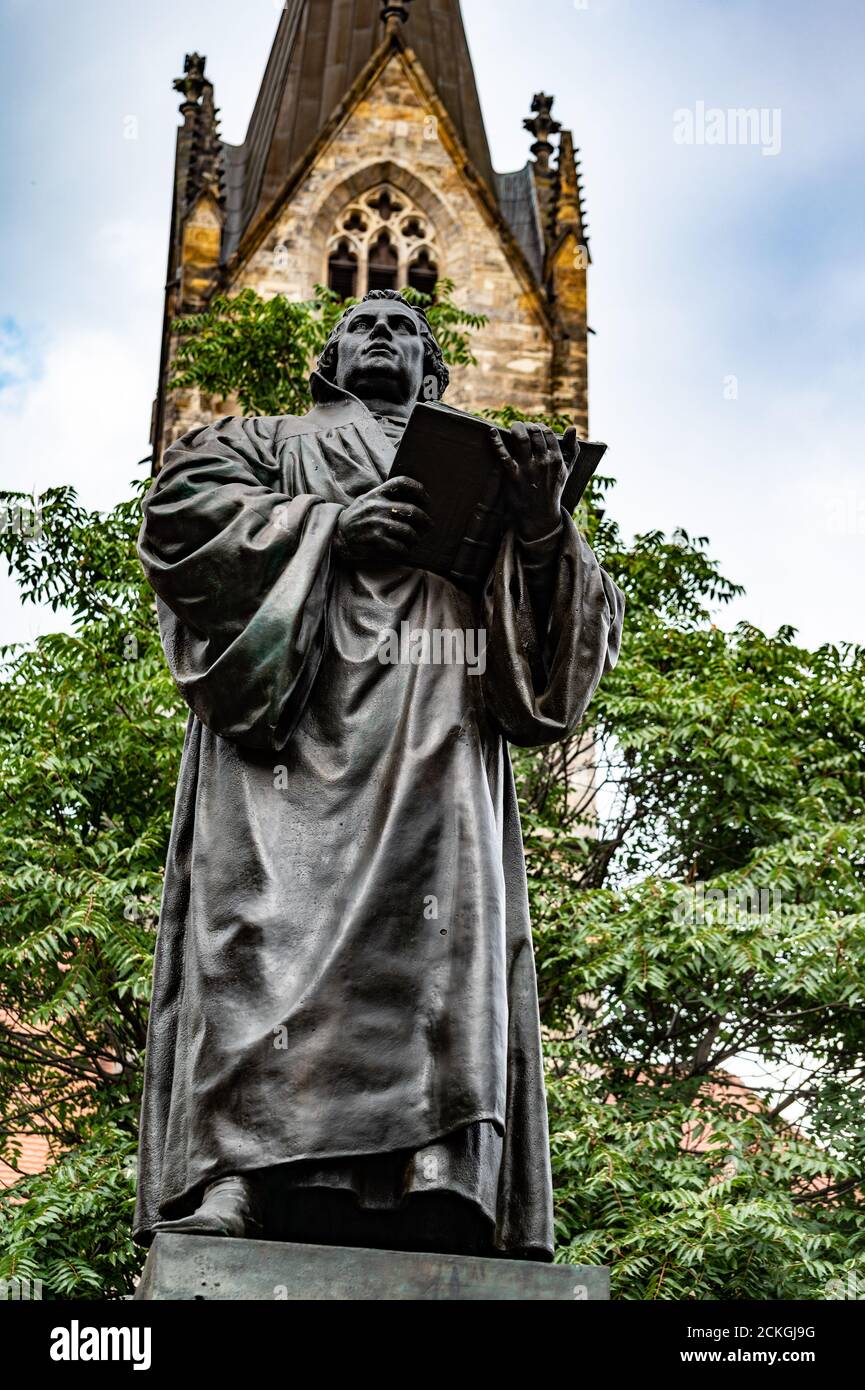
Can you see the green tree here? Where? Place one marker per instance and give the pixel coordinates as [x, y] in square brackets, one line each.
[729, 765]
[259, 350]
[90, 733]
[712, 922]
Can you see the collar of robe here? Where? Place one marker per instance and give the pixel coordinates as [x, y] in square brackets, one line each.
[332, 399]
[333, 407]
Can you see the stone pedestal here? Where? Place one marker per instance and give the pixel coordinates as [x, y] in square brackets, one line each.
[203, 1267]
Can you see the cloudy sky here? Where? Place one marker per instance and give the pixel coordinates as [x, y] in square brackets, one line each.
[727, 292]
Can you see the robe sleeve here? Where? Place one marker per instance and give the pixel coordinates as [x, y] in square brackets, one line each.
[538, 684]
[241, 571]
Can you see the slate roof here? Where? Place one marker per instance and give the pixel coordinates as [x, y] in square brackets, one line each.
[518, 201]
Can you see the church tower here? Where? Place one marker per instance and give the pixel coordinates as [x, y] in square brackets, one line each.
[366, 165]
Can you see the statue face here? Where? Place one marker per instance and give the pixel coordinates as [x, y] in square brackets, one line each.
[381, 352]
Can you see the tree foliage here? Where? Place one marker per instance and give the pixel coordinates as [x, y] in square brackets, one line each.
[698, 904]
[712, 924]
[259, 350]
[90, 734]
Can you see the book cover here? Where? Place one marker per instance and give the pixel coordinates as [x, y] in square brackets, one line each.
[450, 453]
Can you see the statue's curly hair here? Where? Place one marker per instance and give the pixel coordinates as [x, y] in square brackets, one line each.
[433, 364]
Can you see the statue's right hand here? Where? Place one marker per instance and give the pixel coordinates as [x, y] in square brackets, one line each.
[385, 523]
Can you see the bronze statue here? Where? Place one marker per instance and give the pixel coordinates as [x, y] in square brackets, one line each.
[344, 1041]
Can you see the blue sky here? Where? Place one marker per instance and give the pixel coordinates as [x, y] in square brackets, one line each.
[727, 292]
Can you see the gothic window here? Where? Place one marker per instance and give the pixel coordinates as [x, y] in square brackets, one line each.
[412, 229]
[342, 270]
[382, 242]
[422, 273]
[385, 204]
[383, 264]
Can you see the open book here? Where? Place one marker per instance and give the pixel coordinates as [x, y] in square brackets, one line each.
[450, 452]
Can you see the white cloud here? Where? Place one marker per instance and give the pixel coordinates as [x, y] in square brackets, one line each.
[83, 421]
[80, 422]
[18, 362]
[138, 250]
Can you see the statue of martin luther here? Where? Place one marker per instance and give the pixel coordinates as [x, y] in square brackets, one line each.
[344, 1042]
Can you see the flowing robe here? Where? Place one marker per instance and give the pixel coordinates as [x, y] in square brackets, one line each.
[344, 964]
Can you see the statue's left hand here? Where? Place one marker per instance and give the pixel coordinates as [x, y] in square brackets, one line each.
[536, 474]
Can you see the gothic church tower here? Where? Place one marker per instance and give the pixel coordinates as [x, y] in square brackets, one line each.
[366, 165]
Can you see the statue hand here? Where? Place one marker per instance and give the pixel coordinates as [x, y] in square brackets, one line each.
[536, 474]
[384, 523]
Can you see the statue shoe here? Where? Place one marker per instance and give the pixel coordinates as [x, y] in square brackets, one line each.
[228, 1208]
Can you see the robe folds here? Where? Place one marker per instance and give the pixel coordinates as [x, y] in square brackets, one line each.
[344, 964]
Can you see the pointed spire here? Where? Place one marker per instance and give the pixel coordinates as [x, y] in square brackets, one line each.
[394, 16]
[191, 83]
[200, 157]
[568, 208]
[567, 262]
[567, 189]
[542, 125]
[206, 168]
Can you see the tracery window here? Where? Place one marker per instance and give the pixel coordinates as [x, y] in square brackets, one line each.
[423, 273]
[382, 264]
[342, 270]
[382, 241]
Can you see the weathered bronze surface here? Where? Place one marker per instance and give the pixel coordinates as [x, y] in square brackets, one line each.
[345, 1016]
[190, 1268]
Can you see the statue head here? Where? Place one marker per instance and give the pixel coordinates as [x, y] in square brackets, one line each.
[383, 349]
